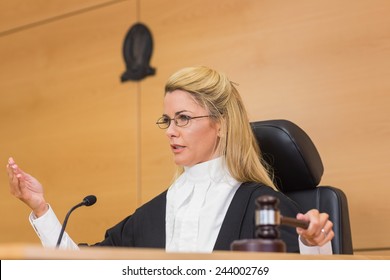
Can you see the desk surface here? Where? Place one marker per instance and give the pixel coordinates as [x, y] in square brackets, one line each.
[34, 251]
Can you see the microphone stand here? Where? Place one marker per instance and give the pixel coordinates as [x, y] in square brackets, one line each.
[66, 221]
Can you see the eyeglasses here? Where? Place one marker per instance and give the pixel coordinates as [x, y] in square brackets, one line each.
[180, 120]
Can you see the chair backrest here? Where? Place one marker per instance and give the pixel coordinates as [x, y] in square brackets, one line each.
[298, 169]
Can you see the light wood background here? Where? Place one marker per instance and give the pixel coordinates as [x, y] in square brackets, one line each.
[67, 119]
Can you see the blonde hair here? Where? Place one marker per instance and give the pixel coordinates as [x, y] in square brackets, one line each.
[216, 93]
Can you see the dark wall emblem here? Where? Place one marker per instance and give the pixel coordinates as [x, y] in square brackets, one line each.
[137, 51]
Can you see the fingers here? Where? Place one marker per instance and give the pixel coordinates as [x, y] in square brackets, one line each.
[327, 232]
[319, 231]
[19, 181]
[14, 174]
[13, 168]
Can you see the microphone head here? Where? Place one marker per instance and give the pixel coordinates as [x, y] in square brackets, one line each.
[89, 200]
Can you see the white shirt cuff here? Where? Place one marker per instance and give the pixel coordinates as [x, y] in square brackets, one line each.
[48, 229]
[326, 249]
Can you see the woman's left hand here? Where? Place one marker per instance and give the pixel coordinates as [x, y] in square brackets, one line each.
[320, 230]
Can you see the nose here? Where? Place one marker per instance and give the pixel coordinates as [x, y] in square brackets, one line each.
[172, 130]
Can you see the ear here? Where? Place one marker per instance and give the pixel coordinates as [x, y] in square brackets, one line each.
[221, 128]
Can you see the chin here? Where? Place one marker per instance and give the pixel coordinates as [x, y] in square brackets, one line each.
[183, 162]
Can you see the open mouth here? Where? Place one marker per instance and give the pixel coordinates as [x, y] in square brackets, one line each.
[177, 147]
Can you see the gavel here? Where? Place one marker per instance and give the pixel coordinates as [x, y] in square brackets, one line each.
[267, 221]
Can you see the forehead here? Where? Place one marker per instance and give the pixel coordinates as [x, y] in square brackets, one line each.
[179, 100]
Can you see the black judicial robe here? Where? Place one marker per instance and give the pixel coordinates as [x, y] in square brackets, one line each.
[146, 227]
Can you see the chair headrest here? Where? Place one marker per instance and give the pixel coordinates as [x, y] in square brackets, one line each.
[291, 153]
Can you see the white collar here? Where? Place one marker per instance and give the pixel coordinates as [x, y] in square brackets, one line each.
[214, 170]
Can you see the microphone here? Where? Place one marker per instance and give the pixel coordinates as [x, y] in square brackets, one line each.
[87, 201]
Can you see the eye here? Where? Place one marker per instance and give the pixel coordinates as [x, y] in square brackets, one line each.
[165, 119]
[183, 118]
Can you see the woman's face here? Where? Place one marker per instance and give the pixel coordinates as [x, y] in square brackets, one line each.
[197, 141]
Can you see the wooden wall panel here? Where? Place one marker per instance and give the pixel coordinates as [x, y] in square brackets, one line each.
[67, 119]
[16, 14]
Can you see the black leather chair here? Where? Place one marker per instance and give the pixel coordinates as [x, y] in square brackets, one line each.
[298, 170]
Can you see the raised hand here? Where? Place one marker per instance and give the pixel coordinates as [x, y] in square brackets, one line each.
[26, 188]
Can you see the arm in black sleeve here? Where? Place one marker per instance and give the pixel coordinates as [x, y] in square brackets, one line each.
[145, 228]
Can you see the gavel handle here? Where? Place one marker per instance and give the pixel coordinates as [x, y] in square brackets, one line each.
[294, 222]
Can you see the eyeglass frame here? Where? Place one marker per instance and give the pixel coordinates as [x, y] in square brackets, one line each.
[174, 119]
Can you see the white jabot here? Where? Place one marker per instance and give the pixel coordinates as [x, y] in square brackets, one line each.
[197, 203]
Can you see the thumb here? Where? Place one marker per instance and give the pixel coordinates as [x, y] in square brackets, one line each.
[301, 216]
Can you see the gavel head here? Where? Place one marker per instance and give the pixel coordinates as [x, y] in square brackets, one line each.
[267, 217]
[267, 220]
